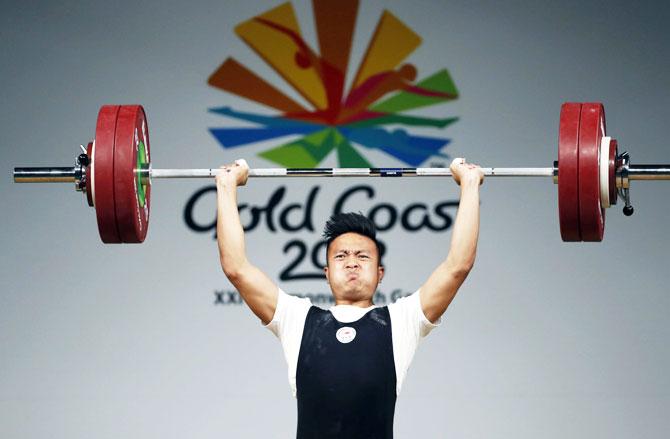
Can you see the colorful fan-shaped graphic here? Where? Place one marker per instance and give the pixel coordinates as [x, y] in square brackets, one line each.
[337, 119]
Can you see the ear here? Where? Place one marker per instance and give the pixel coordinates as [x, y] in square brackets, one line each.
[380, 272]
[325, 271]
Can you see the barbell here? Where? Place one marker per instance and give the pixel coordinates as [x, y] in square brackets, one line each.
[115, 173]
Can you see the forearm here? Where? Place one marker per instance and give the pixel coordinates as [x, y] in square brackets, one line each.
[465, 233]
[229, 231]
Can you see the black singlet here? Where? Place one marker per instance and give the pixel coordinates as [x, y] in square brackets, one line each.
[346, 390]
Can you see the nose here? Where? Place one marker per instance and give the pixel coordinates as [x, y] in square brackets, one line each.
[351, 263]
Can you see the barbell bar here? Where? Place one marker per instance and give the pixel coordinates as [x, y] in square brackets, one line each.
[115, 172]
[70, 175]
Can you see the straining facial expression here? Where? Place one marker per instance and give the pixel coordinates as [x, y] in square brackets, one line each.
[353, 258]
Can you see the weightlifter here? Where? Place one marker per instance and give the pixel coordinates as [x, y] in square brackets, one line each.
[346, 365]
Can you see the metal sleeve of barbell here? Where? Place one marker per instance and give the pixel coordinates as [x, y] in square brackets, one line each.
[45, 175]
[649, 172]
[352, 172]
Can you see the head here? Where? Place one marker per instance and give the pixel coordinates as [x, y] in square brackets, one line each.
[353, 258]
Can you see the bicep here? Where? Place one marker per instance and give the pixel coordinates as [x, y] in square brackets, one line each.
[257, 290]
[439, 290]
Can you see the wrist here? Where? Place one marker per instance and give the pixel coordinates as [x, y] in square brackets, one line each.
[470, 183]
[226, 188]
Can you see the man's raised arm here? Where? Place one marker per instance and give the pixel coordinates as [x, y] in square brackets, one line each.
[257, 290]
[441, 287]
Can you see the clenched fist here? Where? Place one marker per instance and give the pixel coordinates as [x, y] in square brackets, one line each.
[464, 172]
[232, 175]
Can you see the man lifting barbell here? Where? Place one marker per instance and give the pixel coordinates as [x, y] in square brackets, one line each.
[346, 385]
[347, 365]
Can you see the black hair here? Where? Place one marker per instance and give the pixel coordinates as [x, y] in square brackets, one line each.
[341, 223]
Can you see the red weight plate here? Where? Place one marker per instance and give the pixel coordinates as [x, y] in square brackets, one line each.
[132, 193]
[102, 169]
[568, 171]
[591, 132]
[89, 187]
[612, 171]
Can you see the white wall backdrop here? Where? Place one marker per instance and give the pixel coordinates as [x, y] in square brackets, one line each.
[546, 339]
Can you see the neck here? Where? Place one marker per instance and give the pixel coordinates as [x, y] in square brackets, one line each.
[363, 303]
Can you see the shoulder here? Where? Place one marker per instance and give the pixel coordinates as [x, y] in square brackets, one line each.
[291, 311]
[292, 301]
[407, 311]
[406, 302]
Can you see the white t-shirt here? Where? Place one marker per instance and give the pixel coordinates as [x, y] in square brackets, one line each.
[408, 326]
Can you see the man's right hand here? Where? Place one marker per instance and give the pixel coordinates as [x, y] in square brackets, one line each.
[463, 172]
[234, 174]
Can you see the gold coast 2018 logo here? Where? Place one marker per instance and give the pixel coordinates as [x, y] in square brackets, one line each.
[347, 118]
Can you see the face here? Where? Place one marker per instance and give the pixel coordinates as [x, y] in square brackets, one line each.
[353, 269]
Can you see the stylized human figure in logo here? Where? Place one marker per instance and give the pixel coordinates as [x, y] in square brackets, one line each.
[381, 84]
[347, 364]
[305, 58]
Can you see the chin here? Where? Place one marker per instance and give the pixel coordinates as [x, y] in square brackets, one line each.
[355, 295]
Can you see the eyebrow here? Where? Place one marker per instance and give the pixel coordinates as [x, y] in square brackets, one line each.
[347, 251]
